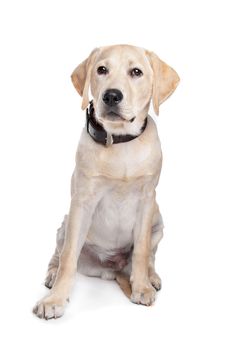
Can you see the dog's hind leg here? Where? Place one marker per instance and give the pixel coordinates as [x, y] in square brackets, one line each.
[54, 262]
[157, 234]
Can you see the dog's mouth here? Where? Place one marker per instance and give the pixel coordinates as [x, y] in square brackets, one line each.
[114, 116]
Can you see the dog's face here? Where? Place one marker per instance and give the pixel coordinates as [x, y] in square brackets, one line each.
[123, 79]
[121, 84]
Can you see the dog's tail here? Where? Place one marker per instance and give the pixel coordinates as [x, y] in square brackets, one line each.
[124, 283]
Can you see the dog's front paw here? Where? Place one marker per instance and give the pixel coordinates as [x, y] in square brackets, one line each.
[144, 296]
[49, 307]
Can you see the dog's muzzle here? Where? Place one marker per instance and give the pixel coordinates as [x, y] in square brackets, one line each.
[100, 135]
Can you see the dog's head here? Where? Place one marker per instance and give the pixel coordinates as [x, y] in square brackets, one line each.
[123, 80]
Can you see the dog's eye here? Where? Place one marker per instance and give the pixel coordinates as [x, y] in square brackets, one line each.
[102, 70]
[136, 72]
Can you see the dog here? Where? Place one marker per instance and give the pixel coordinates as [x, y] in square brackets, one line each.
[114, 224]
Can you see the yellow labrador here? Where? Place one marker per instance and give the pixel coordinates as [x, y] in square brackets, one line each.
[114, 225]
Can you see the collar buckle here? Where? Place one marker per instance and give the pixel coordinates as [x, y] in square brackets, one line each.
[108, 140]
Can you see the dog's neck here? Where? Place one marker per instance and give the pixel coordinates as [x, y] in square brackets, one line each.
[100, 135]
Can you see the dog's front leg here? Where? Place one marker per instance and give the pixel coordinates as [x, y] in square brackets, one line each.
[142, 290]
[82, 207]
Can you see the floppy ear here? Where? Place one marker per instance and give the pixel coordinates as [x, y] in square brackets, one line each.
[165, 80]
[81, 77]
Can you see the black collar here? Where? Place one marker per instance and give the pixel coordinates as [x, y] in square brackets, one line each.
[100, 135]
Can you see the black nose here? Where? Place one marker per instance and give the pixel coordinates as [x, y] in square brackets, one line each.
[112, 97]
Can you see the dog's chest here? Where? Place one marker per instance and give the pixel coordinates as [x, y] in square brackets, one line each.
[115, 217]
[126, 164]
[122, 162]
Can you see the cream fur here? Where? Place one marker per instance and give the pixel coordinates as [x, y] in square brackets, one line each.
[113, 206]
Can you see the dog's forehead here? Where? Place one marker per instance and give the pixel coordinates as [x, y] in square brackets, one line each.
[123, 53]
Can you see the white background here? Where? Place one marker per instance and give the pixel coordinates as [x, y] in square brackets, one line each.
[41, 120]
